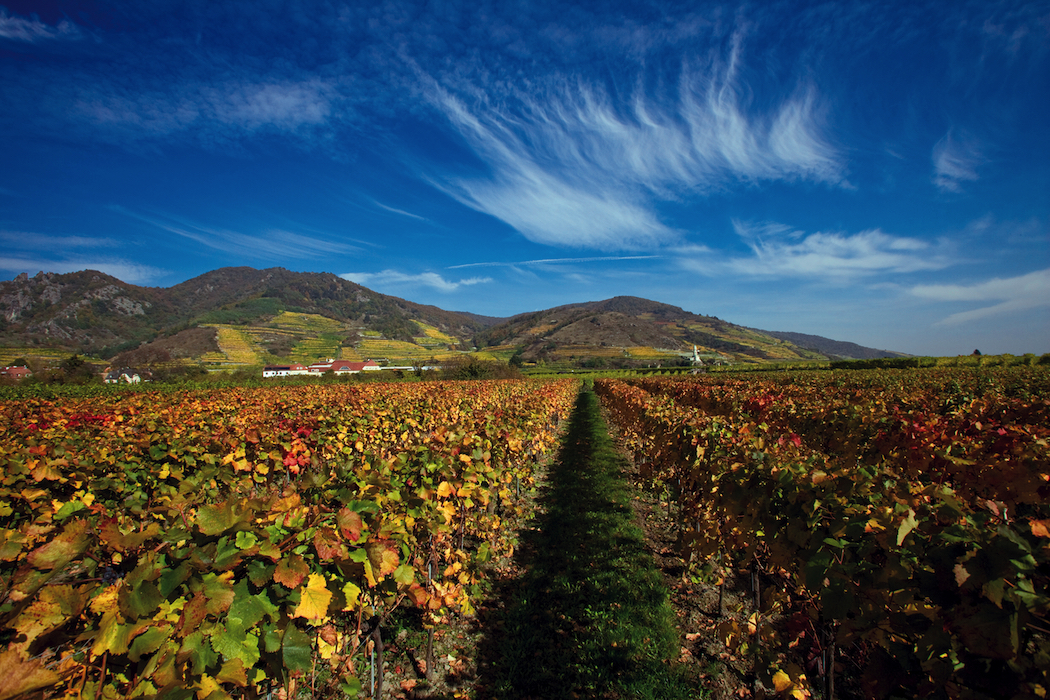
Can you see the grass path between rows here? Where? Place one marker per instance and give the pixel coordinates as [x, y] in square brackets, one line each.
[590, 617]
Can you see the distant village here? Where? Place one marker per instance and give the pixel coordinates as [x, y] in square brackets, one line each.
[127, 375]
[334, 366]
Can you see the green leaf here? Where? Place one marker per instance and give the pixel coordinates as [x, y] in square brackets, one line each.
[197, 649]
[259, 572]
[173, 578]
[993, 590]
[227, 554]
[217, 519]
[296, 649]
[147, 642]
[218, 590]
[250, 609]
[139, 601]
[233, 641]
[363, 506]
[405, 574]
[246, 540]
[271, 638]
[69, 509]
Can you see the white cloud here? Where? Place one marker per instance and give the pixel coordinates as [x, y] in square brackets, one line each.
[425, 279]
[132, 273]
[275, 244]
[567, 166]
[285, 105]
[954, 161]
[555, 261]
[1021, 293]
[37, 241]
[402, 212]
[33, 30]
[779, 251]
[243, 105]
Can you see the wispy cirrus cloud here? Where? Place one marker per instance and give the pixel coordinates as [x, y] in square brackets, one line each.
[571, 164]
[955, 161]
[269, 244]
[780, 251]
[394, 210]
[393, 278]
[37, 241]
[243, 106]
[1021, 293]
[32, 30]
[124, 270]
[555, 261]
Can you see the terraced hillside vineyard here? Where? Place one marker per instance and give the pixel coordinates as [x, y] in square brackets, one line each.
[201, 542]
[895, 524]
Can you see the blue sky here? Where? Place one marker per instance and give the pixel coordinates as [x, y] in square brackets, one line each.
[871, 172]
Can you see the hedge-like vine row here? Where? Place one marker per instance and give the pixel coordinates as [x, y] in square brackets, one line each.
[889, 519]
[179, 544]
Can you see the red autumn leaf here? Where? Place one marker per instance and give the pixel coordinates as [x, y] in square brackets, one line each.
[291, 571]
[328, 546]
[350, 524]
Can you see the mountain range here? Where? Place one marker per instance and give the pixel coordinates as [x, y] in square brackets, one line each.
[244, 316]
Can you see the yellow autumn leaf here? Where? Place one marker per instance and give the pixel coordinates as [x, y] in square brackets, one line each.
[314, 599]
[352, 592]
[781, 681]
[445, 489]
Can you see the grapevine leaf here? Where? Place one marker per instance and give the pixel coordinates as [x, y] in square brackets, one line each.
[50, 610]
[781, 681]
[233, 672]
[350, 524]
[113, 636]
[197, 650]
[217, 519]
[327, 545]
[271, 638]
[296, 650]
[993, 590]
[218, 590]
[248, 608]
[291, 571]
[906, 526]
[404, 574]
[22, 675]
[139, 601]
[147, 642]
[173, 578]
[259, 572]
[314, 599]
[1041, 528]
[63, 549]
[193, 613]
[351, 592]
[227, 554]
[246, 540]
[383, 557]
[233, 641]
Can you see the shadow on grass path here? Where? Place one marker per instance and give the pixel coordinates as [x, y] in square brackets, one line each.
[589, 618]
